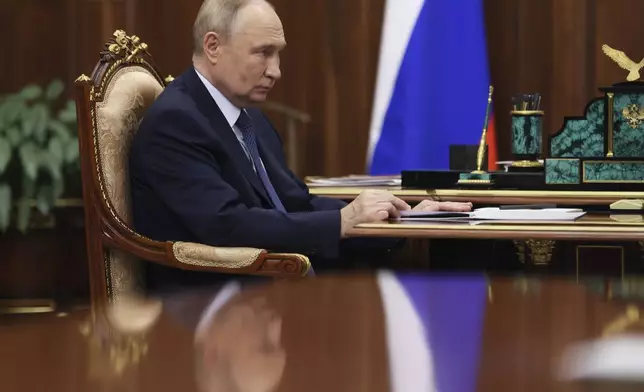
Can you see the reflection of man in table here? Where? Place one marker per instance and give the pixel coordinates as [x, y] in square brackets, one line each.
[238, 344]
[386, 333]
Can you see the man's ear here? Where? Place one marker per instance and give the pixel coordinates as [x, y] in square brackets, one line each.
[212, 47]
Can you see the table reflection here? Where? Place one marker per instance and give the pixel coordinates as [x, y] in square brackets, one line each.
[380, 332]
[257, 341]
[238, 343]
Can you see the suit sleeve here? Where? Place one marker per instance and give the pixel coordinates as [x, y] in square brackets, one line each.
[185, 175]
[318, 203]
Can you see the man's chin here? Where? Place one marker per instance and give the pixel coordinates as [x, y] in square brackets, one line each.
[255, 101]
[255, 98]
[258, 98]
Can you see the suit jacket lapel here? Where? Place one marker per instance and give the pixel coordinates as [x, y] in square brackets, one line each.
[209, 108]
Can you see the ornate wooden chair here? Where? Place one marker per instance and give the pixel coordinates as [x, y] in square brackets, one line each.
[110, 105]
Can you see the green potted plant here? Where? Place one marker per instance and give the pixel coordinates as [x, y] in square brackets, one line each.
[38, 151]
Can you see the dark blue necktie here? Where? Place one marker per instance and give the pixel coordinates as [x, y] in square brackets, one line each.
[245, 125]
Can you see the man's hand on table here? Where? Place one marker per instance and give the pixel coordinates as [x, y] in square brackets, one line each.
[378, 205]
[371, 206]
[431, 205]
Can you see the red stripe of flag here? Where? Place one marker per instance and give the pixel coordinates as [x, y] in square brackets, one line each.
[492, 151]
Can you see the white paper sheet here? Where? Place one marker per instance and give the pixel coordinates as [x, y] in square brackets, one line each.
[496, 214]
[349, 181]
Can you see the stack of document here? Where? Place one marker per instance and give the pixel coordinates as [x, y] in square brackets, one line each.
[354, 180]
[497, 214]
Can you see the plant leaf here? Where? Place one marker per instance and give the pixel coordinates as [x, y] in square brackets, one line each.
[24, 209]
[14, 136]
[52, 164]
[41, 112]
[5, 153]
[58, 187]
[45, 199]
[68, 113]
[29, 118]
[3, 109]
[56, 148]
[5, 105]
[22, 216]
[28, 187]
[31, 91]
[71, 151]
[60, 130]
[11, 110]
[30, 159]
[71, 105]
[54, 89]
[5, 207]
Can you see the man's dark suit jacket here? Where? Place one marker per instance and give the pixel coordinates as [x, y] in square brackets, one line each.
[192, 181]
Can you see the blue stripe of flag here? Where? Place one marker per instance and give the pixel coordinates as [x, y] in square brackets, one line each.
[440, 94]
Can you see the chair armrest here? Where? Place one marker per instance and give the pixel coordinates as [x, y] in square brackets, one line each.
[240, 260]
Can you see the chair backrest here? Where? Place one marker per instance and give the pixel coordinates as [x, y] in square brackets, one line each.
[123, 85]
[127, 96]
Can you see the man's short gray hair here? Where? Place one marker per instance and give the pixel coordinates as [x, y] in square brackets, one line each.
[216, 16]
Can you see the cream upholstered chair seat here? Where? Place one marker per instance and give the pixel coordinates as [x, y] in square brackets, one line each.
[110, 107]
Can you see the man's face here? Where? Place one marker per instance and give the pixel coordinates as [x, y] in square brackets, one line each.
[247, 63]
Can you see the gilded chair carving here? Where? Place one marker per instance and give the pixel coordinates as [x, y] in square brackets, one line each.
[110, 105]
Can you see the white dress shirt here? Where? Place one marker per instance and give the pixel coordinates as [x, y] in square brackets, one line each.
[230, 112]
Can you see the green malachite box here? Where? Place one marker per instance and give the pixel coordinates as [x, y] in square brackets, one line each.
[603, 147]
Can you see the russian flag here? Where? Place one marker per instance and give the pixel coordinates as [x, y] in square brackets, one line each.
[432, 85]
[449, 360]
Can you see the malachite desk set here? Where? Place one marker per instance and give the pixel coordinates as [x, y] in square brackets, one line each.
[601, 150]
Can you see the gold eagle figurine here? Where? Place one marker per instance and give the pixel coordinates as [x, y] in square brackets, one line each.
[623, 61]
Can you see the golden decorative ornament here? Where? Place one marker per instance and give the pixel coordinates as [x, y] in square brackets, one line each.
[625, 62]
[83, 78]
[129, 46]
[634, 115]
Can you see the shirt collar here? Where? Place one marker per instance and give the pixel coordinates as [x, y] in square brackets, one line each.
[230, 111]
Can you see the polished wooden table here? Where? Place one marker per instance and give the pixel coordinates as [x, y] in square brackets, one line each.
[593, 227]
[492, 197]
[374, 332]
[595, 244]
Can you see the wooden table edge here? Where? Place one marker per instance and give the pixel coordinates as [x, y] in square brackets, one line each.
[489, 196]
[597, 232]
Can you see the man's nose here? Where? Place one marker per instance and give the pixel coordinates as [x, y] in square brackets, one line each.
[273, 71]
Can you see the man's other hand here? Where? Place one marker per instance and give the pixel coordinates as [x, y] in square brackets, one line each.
[430, 205]
[371, 206]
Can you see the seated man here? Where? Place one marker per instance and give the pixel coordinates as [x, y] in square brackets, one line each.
[208, 167]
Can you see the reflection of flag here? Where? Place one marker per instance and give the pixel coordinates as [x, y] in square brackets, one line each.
[432, 85]
[452, 312]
